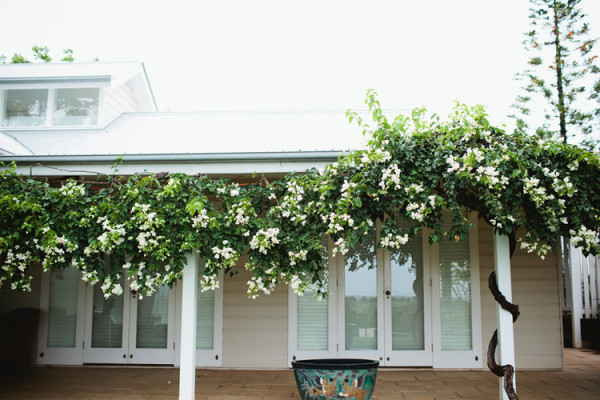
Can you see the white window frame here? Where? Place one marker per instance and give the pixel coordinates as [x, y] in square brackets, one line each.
[49, 122]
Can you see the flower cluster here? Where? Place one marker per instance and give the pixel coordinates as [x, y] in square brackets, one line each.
[146, 223]
[111, 237]
[264, 240]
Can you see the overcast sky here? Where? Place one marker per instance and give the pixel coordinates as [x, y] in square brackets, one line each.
[264, 55]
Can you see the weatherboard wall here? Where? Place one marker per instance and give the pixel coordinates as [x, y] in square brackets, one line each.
[117, 101]
[535, 285]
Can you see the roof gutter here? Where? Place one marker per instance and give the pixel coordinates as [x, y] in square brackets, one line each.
[55, 79]
[321, 156]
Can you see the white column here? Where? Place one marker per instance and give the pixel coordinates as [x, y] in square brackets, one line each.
[187, 348]
[506, 337]
[576, 296]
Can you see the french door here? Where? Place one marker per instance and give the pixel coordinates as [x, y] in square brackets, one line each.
[78, 325]
[413, 306]
[128, 330]
[62, 306]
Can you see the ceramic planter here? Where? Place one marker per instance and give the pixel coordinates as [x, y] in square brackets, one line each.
[333, 379]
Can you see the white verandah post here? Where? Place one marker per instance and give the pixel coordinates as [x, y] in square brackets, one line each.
[506, 338]
[187, 348]
[576, 296]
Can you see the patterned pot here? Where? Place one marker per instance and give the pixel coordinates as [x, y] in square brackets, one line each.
[335, 379]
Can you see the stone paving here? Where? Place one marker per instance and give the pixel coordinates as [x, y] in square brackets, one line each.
[580, 379]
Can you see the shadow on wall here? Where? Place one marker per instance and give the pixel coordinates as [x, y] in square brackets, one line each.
[18, 337]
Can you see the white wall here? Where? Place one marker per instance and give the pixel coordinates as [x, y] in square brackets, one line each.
[118, 101]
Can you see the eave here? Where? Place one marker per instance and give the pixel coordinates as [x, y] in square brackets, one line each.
[199, 163]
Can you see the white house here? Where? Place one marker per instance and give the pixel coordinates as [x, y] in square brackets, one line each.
[431, 310]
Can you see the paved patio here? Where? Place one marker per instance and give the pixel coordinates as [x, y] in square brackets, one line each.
[580, 379]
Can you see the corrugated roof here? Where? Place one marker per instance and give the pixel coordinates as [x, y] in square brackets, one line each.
[202, 132]
[65, 70]
[9, 146]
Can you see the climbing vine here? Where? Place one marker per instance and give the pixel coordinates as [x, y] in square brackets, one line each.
[416, 168]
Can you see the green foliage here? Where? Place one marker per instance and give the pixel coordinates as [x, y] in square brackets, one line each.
[18, 59]
[561, 74]
[40, 54]
[68, 55]
[418, 171]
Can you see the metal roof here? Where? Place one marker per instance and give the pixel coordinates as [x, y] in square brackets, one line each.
[201, 133]
[9, 73]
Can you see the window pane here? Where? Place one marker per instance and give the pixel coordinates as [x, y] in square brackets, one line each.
[361, 297]
[455, 295]
[407, 295]
[25, 107]
[107, 320]
[62, 310]
[153, 320]
[205, 319]
[76, 107]
[313, 326]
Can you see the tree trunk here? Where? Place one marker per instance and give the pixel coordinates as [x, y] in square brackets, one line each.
[559, 77]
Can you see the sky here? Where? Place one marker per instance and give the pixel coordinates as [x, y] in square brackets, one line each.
[294, 55]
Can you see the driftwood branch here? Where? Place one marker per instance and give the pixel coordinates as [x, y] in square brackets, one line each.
[506, 371]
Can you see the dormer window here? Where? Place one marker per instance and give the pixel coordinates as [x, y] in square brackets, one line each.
[26, 107]
[50, 107]
[76, 107]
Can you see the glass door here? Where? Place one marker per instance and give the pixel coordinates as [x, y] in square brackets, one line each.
[408, 305]
[151, 328]
[360, 304]
[456, 315]
[62, 305]
[127, 330]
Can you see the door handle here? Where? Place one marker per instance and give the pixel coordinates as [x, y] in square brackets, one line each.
[387, 292]
[131, 356]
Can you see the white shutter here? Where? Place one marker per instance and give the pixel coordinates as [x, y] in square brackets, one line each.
[455, 294]
[62, 308]
[313, 327]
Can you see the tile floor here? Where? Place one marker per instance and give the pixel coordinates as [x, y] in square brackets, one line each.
[580, 379]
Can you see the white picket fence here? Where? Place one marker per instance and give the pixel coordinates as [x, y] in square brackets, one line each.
[581, 289]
